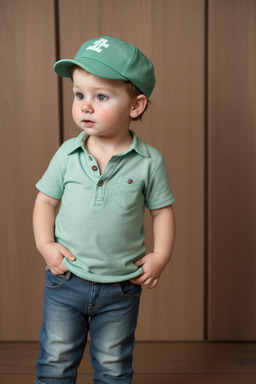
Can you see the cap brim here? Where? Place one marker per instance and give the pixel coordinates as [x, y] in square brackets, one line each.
[64, 68]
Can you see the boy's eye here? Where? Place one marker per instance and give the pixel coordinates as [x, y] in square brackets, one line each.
[101, 97]
[79, 96]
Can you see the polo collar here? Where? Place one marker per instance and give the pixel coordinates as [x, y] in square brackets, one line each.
[137, 145]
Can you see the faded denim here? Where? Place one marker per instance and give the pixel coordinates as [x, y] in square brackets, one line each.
[72, 307]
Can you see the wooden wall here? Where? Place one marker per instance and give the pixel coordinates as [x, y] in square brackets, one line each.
[28, 136]
[202, 118]
[232, 169]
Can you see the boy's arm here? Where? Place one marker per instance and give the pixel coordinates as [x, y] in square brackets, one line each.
[154, 263]
[43, 223]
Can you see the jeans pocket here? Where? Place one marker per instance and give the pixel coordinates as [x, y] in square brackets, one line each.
[129, 289]
[54, 281]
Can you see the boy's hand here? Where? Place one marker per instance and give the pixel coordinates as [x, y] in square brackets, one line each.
[152, 265]
[53, 253]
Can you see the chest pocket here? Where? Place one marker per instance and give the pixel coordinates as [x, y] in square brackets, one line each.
[128, 191]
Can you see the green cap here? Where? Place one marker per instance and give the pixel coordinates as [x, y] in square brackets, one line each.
[114, 59]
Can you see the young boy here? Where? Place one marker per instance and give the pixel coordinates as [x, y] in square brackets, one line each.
[94, 249]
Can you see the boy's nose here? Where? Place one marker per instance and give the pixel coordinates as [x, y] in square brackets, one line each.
[87, 107]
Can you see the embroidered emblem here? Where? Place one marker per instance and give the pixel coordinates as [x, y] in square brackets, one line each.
[98, 45]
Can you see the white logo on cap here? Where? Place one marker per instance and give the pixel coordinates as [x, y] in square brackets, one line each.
[97, 45]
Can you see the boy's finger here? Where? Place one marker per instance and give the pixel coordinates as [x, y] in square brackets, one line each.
[148, 282]
[58, 270]
[139, 262]
[153, 284]
[140, 280]
[67, 254]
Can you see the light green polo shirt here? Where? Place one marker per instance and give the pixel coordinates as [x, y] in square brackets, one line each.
[100, 220]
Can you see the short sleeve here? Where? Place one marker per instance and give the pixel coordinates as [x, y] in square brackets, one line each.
[159, 193]
[52, 181]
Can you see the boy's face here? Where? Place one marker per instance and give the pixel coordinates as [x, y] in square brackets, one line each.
[101, 107]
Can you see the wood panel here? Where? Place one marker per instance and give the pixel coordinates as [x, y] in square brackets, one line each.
[28, 138]
[171, 33]
[232, 168]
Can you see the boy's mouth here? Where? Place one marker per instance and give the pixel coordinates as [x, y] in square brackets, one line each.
[88, 123]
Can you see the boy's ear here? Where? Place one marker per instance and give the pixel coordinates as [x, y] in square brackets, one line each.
[138, 106]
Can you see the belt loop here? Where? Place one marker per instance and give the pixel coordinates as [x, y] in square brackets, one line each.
[68, 275]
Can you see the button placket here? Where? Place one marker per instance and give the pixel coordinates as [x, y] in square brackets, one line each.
[93, 166]
[101, 179]
[99, 193]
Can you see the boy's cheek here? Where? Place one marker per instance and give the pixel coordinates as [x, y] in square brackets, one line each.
[75, 114]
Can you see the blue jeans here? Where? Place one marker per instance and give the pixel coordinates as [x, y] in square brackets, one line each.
[72, 307]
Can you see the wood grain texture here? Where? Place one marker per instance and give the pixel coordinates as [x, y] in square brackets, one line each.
[164, 363]
[171, 33]
[232, 168]
[28, 138]
[152, 379]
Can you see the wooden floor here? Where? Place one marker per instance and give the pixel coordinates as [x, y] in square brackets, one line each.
[154, 363]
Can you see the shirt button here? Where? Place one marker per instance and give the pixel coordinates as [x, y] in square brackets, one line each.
[101, 182]
[94, 168]
[129, 181]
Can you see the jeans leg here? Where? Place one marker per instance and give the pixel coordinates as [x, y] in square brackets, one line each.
[112, 326]
[64, 330]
